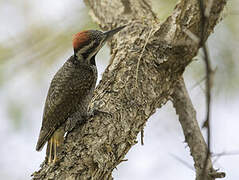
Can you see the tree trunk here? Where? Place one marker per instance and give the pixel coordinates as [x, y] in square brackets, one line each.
[147, 60]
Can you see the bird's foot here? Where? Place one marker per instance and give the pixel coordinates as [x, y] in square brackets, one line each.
[94, 112]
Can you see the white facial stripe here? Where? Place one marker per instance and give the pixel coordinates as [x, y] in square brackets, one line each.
[84, 49]
[79, 53]
[95, 51]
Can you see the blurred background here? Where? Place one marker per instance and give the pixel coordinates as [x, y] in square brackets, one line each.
[35, 40]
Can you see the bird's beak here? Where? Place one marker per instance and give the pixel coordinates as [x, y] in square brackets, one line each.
[110, 33]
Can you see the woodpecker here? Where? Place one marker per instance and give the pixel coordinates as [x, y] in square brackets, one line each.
[71, 89]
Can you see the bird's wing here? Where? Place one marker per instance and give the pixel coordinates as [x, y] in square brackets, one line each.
[67, 88]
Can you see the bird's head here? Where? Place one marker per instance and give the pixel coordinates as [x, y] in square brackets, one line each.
[86, 44]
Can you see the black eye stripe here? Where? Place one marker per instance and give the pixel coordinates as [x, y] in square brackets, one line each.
[90, 50]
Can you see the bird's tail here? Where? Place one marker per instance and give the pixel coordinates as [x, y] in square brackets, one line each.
[53, 145]
[44, 136]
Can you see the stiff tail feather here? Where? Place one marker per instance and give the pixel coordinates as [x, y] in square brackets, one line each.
[43, 138]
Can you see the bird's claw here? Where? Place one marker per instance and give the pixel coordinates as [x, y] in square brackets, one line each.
[95, 112]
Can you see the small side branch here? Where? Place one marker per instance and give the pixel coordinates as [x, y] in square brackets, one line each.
[193, 136]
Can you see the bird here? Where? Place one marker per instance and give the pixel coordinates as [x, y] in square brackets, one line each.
[71, 90]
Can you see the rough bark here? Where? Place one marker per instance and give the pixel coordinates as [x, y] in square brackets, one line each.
[147, 59]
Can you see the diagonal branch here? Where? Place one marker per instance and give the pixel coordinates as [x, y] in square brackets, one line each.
[193, 136]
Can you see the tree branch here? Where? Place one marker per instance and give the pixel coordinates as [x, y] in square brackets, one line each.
[193, 136]
[94, 149]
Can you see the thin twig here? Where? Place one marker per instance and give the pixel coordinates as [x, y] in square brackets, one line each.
[142, 137]
[219, 155]
[208, 81]
[198, 83]
[203, 79]
[229, 153]
[183, 162]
